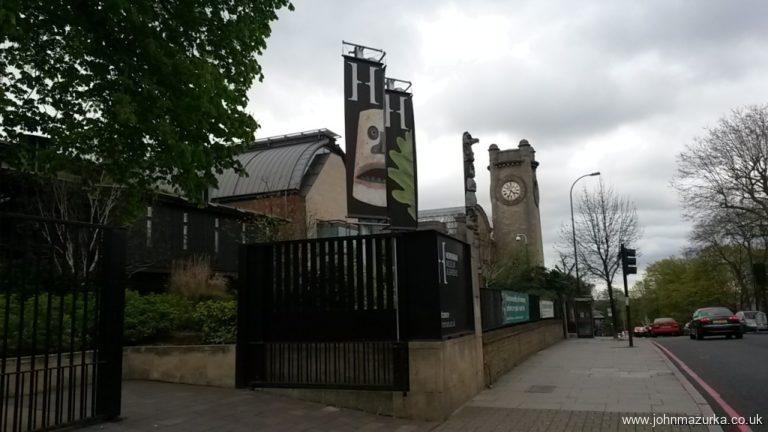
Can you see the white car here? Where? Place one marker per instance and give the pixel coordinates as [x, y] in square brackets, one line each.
[753, 320]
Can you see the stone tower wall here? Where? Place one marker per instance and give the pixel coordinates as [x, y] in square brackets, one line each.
[521, 217]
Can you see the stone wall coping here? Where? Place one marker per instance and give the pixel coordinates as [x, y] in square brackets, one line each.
[154, 348]
[514, 330]
[438, 343]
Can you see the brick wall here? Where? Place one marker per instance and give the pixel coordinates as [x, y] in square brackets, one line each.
[289, 207]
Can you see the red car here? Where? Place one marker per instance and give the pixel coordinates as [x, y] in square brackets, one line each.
[665, 326]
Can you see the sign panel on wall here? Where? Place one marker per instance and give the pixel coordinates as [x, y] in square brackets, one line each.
[452, 275]
[364, 135]
[515, 307]
[546, 309]
[402, 188]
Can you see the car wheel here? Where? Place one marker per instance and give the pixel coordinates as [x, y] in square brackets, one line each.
[690, 335]
[699, 336]
[728, 336]
[739, 335]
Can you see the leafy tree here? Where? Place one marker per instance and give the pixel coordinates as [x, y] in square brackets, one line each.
[512, 271]
[149, 91]
[734, 243]
[676, 287]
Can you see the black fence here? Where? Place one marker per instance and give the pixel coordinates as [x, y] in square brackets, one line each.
[338, 312]
[502, 308]
[332, 289]
[356, 364]
[61, 308]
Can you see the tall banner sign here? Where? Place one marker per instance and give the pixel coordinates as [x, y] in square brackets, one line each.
[402, 190]
[364, 136]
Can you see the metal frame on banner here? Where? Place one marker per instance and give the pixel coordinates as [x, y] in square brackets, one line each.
[359, 50]
[391, 82]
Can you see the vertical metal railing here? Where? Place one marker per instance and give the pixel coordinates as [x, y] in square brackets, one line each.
[321, 313]
[347, 365]
[57, 279]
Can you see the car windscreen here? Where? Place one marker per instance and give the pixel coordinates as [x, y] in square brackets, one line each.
[717, 311]
[750, 315]
[664, 321]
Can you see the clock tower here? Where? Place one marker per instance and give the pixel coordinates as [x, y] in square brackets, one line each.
[515, 202]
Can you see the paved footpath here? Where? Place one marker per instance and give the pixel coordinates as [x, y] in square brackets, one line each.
[153, 406]
[575, 385]
[582, 385]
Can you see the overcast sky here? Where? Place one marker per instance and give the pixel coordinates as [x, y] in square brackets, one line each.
[615, 86]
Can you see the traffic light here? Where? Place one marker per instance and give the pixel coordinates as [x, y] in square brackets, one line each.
[628, 260]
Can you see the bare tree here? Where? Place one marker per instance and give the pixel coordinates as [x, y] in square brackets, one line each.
[604, 220]
[77, 250]
[728, 167]
[564, 249]
[722, 179]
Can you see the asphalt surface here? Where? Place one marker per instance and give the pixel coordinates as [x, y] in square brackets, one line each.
[736, 369]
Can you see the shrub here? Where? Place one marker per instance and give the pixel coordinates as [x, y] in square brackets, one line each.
[217, 319]
[148, 319]
[193, 278]
[40, 329]
[153, 316]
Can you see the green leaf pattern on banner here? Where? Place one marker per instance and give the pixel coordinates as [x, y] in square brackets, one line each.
[403, 174]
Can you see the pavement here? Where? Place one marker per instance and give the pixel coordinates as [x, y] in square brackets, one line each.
[575, 385]
[735, 369]
[598, 374]
[154, 406]
[583, 385]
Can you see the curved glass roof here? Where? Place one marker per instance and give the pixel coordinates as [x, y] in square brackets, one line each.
[275, 164]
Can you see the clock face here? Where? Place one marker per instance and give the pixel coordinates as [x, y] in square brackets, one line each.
[511, 190]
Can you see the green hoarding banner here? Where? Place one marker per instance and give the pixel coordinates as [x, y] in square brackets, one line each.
[515, 307]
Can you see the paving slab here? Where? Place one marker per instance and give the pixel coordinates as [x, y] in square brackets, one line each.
[582, 385]
[154, 406]
[598, 374]
[575, 385]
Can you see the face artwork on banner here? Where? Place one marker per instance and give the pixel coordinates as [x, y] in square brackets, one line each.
[364, 136]
[402, 189]
[369, 184]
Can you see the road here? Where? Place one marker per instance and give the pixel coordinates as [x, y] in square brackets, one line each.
[736, 369]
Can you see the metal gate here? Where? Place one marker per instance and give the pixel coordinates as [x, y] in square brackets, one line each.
[321, 313]
[61, 315]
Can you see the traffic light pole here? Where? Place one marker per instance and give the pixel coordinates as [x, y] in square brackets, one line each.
[628, 265]
[626, 303]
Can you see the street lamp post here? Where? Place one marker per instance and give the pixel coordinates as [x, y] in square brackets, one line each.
[573, 228]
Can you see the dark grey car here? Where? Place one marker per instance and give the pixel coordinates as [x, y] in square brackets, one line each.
[712, 321]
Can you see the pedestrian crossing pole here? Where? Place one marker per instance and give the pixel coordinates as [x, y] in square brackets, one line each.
[628, 259]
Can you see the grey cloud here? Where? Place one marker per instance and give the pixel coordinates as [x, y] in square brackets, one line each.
[655, 71]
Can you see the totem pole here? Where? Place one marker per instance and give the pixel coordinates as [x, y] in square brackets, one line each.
[470, 187]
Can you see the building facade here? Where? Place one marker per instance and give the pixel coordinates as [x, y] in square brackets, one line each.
[297, 177]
